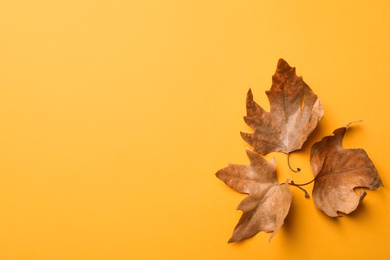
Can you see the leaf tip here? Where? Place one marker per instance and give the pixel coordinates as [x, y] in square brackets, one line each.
[249, 96]
[282, 63]
[236, 238]
[283, 66]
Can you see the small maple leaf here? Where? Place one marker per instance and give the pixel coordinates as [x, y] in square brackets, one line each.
[268, 202]
[338, 172]
[294, 114]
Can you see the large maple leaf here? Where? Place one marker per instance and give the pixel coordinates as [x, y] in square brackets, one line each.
[338, 172]
[294, 113]
[268, 202]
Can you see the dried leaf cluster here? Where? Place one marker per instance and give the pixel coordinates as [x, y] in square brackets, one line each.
[295, 112]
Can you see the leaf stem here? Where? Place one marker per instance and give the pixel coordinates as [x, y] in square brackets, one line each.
[303, 184]
[288, 162]
[292, 183]
[302, 189]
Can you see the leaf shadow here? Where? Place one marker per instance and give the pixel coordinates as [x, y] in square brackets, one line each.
[316, 136]
[291, 218]
[320, 132]
[291, 223]
[361, 210]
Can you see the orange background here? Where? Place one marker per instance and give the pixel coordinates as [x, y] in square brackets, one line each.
[115, 116]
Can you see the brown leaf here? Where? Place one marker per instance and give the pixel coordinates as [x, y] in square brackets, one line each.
[338, 172]
[268, 202]
[294, 114]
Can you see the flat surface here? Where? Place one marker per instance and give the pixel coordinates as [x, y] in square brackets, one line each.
[115, 116]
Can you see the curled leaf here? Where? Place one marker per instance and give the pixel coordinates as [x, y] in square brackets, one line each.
[294, 114]
[338, 172]
[268, 202]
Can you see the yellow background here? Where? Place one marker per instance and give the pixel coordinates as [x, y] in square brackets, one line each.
[115, 116]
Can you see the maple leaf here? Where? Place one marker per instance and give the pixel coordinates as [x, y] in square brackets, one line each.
[268, 202]
[294, 113]
[338, 172]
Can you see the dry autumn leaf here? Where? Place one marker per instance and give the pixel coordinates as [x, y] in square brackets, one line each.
[268, 202]
[338, 172]
[294, 113]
